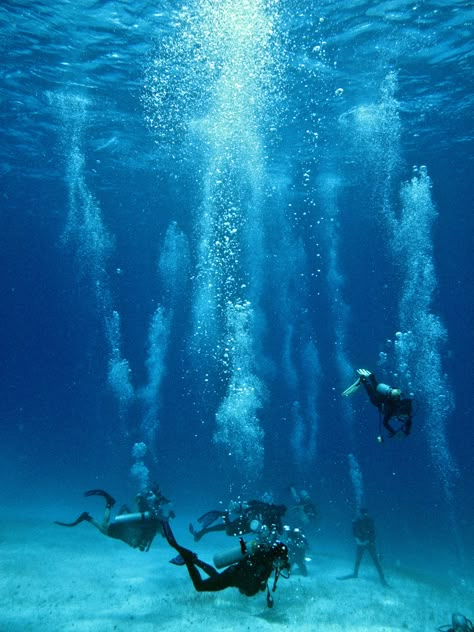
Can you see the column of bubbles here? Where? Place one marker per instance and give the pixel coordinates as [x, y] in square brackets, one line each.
[209, 95]
[158, 340]
[289, 297]
[173, 272]
[86, 234]
[304, 413]
[373, 137]
[139, 470]
[357, 481]
[238, 429]
[421, 340]
[329, 186]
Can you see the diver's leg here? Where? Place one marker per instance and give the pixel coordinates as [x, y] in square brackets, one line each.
[359, 554]
[203, 585]
[101, 526]
[217, 581]
[376, 561]
[207, 568]
[109, 503]
[388, 427]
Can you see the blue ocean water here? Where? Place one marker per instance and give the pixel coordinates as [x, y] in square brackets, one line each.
[212, 215]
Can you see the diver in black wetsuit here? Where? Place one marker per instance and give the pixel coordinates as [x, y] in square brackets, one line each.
[363, 530]
[238, 517]
[136, 529]
[250, 574]
[389, 402]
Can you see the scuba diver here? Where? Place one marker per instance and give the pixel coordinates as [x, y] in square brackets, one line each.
[248, 569]
[298, 547]
[240, 518]
[389, 402]
[304, 508]
[136, 529]
[363, 530]
[459, 623]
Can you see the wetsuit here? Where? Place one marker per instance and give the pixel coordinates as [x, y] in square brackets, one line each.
[265, 513]
[250, 575]
[364, 532]
[388, 406]
[140, 530]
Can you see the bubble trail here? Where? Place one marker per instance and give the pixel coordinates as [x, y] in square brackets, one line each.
[219, 110]
[419, 345]
[304, 414]
[357, 481]
[238, 429]
[329, 186]
[86, 234]
[173, 269]
[158, 339]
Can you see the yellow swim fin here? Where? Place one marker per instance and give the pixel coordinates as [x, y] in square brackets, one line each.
[352, 388]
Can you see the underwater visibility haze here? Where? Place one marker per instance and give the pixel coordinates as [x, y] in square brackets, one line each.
[213, 213]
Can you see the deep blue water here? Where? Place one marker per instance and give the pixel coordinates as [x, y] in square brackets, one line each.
[229, 175]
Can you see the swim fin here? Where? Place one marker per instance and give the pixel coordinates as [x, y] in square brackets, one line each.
[352, 388]
[210, 517]
[168, 534]
[178, 560]
[109, 500]
[82, 517]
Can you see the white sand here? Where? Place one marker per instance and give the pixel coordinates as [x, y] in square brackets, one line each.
[58, 579]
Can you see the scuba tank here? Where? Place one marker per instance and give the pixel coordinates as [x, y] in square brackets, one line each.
[232, 556]
[384, 390]
[126, 518]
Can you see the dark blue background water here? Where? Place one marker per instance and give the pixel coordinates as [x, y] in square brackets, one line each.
[62, 427]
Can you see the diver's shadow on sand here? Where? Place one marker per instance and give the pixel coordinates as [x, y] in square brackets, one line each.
[273, 616]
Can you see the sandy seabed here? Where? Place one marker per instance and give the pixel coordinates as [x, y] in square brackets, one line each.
[57, 579]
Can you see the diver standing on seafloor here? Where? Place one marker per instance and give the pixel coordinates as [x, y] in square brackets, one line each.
[363, 530]
[389, 402]
[137, 529]
[249, 570]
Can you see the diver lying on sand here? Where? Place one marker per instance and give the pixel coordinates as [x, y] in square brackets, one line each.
[248, 569]
[136, 529]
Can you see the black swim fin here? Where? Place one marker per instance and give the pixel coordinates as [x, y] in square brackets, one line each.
[82, 517]
[210, 517]
[168, 534]
[109, 500]
[178, 560]
[185, 554]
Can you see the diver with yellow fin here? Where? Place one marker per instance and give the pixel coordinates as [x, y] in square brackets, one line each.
[388, 400]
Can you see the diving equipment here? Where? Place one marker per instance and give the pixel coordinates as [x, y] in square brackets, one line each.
[352, 388]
